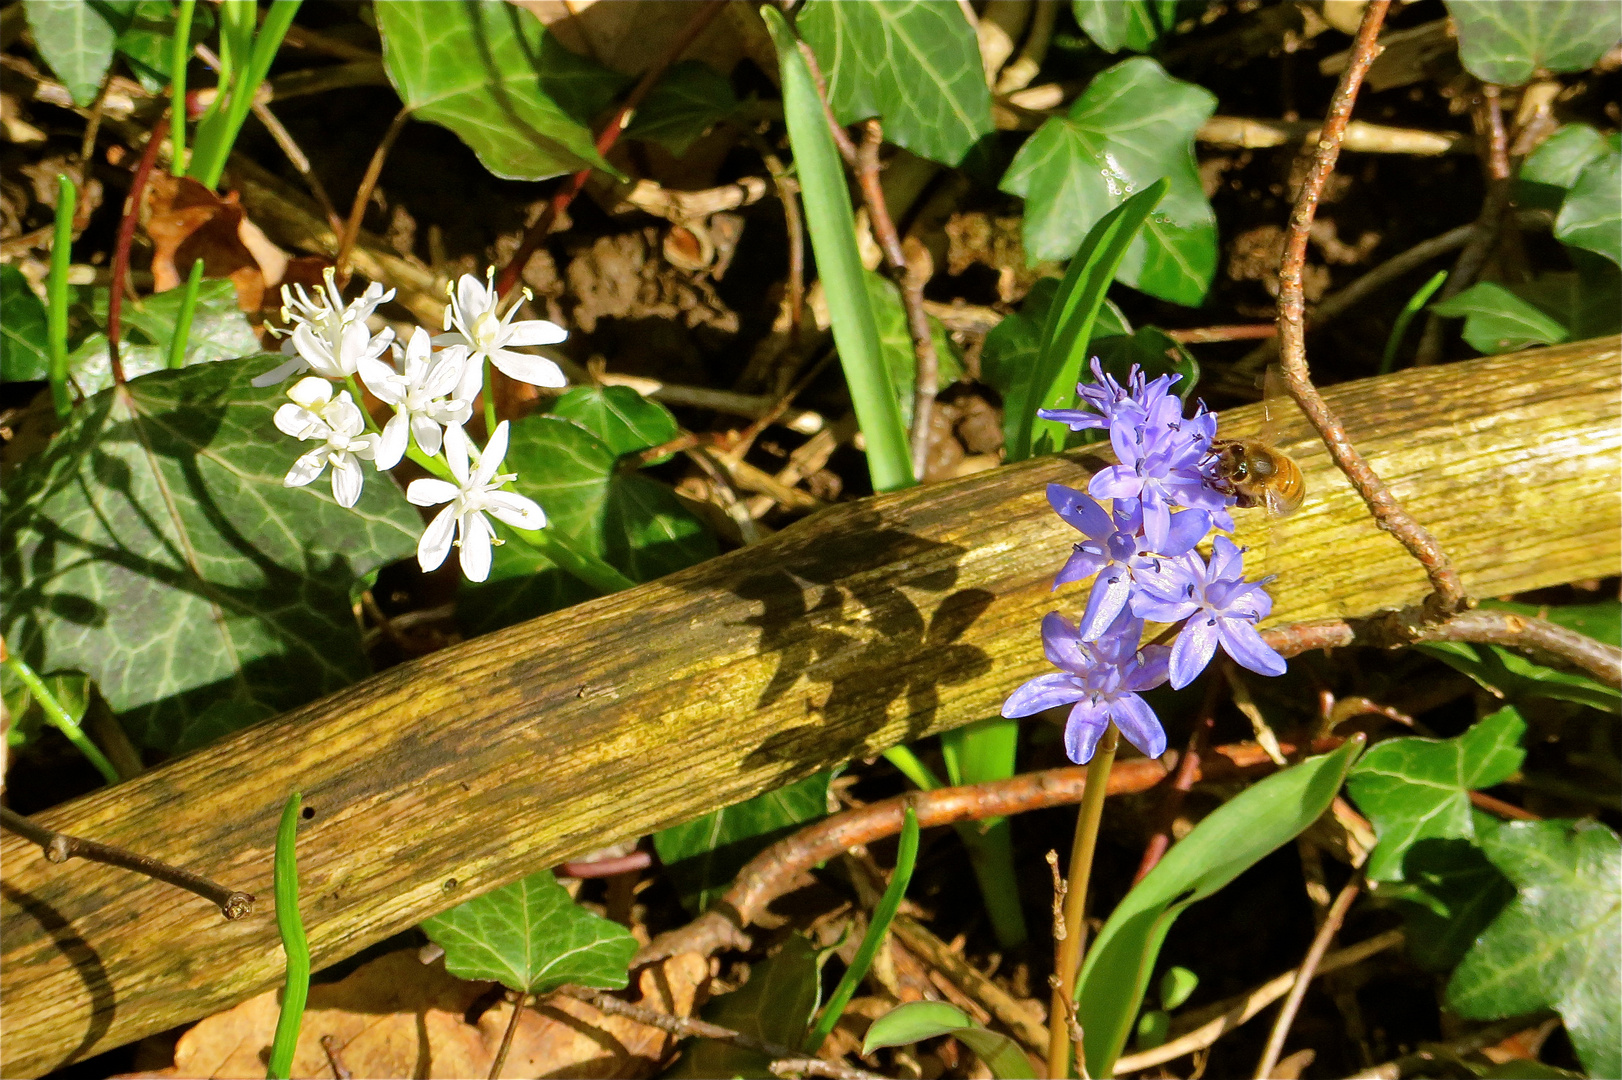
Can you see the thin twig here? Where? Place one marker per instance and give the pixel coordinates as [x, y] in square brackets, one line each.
[1231, 1014]
[121, 250]
[788, 193]
[340, 1071]
[60, 847]
[1009, 1011]
[536, 234]
[684, 1027]
[363, 194]
[1303, 976]
[507, 1036]
[1448, 596]
[1493, 805]
[1431, 1055]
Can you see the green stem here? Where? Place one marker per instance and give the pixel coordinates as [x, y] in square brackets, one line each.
[56, 294]
[61, 719]
[1075, 901]
[912, 768]
[208, 162]
[1388, 360]
[575, 561]
[179, 56]
[489, 399]
[296, 990]
[183, 318]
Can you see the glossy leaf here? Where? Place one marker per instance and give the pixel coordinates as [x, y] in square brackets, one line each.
[1450, 892]
[1559, 943]
[705, 854]
[1498, 321]
[1419, 789]
[775, 1005]
[1583, 300]
[530, 936]
[1132, 126]
[1591, 216]
[495, 76]
[1517, 678]
[1125, 24]
[623, 419]
[895, 341]
[25, 352]
[913, 64]
[919, 1020]
[1153, 350]
[1507, 41]
[689, 100]
[147, 42]
[1229, 841]
[76, 39]
[153, 547]
[1549, 171]
[219, 331]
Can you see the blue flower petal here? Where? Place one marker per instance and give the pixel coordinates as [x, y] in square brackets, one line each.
[1241, 641]
[1138, 724]
[1194, 648]
[1083, 729]
[1042, 692]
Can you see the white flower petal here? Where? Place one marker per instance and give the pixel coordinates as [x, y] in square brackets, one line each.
[300, 422]
[472, 380]
[515, 509]
[475, 546]
[471, 298]
[535, 332]
[316, 351]
[429, 491]
[347, 480]
[456, 452]
[445, 373]
[427, 433]
[354, 342]
[345, 416]
[535, 370]
[306, 468]
[436, 538]
[382, 380]
[281, 371]
[311, 392]
[494, 451]
[391, 446]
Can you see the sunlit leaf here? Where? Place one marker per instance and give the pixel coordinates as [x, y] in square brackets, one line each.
[919, 1020]
[76, 39]
[25, 353]
[1507, 41]
[1498, 321]
[1125, 24]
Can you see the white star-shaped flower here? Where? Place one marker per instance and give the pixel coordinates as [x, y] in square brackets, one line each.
[418, 396]
[474, 494]
[329, 337]
[315, 414]
[485, 334]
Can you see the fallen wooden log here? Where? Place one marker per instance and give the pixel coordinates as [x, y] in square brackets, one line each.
[868, 624]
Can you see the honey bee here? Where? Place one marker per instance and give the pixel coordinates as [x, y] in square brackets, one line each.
[1254, 471]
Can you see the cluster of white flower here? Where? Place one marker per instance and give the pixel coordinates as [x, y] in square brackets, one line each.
[432, 395]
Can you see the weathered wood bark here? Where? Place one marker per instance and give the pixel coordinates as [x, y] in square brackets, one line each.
[868, 624]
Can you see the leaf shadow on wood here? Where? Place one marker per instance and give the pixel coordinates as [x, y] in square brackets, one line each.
[85, 960]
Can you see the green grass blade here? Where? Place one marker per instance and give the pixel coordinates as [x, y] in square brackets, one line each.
[1069, 327]
[883, 914]
[188, 307]
[59, 718]
[832, 224]
[976, 754]
[1415, 304]
[297, 988]
[179, 55]
[56, 295]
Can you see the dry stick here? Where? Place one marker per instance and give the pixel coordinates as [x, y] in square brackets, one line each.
[1009, 1012]
[1448, 596]
[691, 1027]
[363, 195]
[339, 1070]
[909, 282]
[60, 847]
[788, 193]
[121, 250]
[1434, 1053]
[536, 234]
[1231, 1015]
[1303, 976]
[1183, 781]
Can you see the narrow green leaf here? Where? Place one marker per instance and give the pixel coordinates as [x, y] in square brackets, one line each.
[913, 64]
[25, 347]
[218, 331]
[1507, 41]
[895, 341]
[832, 225]
[1498, 321]
[296, 988]
[1134, 125]
[775, 1005]
[1559, 944]
[1235, 837]
[495, 76]
[1419, 789]
[532, 937]
[919, 1020]
[1176, 985]
[1519, 679]
[76, 38]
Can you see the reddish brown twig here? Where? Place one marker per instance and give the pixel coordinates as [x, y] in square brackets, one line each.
[1492, 805]
[363, 194]
[1204, 335]
[536, 234]
[1303, 977]
[519, 1002]
[121, 250]
[773, 872]
[1448, 596]
[619, 864]
[60, 847]
[1183, 780]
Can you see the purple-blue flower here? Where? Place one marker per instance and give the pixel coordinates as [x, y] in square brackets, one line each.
[1221, 607]
[1116, 551]
[1107, 399]
[1161, 467]
[1104, 679]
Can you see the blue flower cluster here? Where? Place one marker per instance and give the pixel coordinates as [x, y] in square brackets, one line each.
[1142, 558]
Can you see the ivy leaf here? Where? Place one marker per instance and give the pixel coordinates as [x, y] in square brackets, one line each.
[76, 39]
[153, 547]
[530, 936]
[1507, 672]
[1125, 24]
[1582, 300]
[690, 99]
[1591, 216]
[704, 855]
[1498, 321]
[1134, 125]
[1507, 41]
[1417, 789]
[914, 65]
[219, 331]
[1558, 944]
[775, 1005]
[146, 43]
[495, 76]
[623, 419]
[1549, 171]
[25, 352]
[895, 341]
[919, 1020]
[1448, 896]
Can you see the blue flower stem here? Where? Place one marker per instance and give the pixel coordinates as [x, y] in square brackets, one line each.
[61, 719]
[188, 307]
[180, 54]
[1071, 946]
[296, 990]
[1388, 360]
[56, 295]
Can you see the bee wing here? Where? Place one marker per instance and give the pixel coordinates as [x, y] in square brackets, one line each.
[1275, 394]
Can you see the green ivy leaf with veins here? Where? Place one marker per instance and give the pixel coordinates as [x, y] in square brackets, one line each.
[530, 936]
[1134, 125]
[914, 65]
[1418, 789]
[1559, 943]
[1507, 41]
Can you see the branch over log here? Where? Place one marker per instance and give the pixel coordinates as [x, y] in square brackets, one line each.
[865, 625]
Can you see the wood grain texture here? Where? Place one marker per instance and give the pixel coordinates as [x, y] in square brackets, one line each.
[870, 623]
